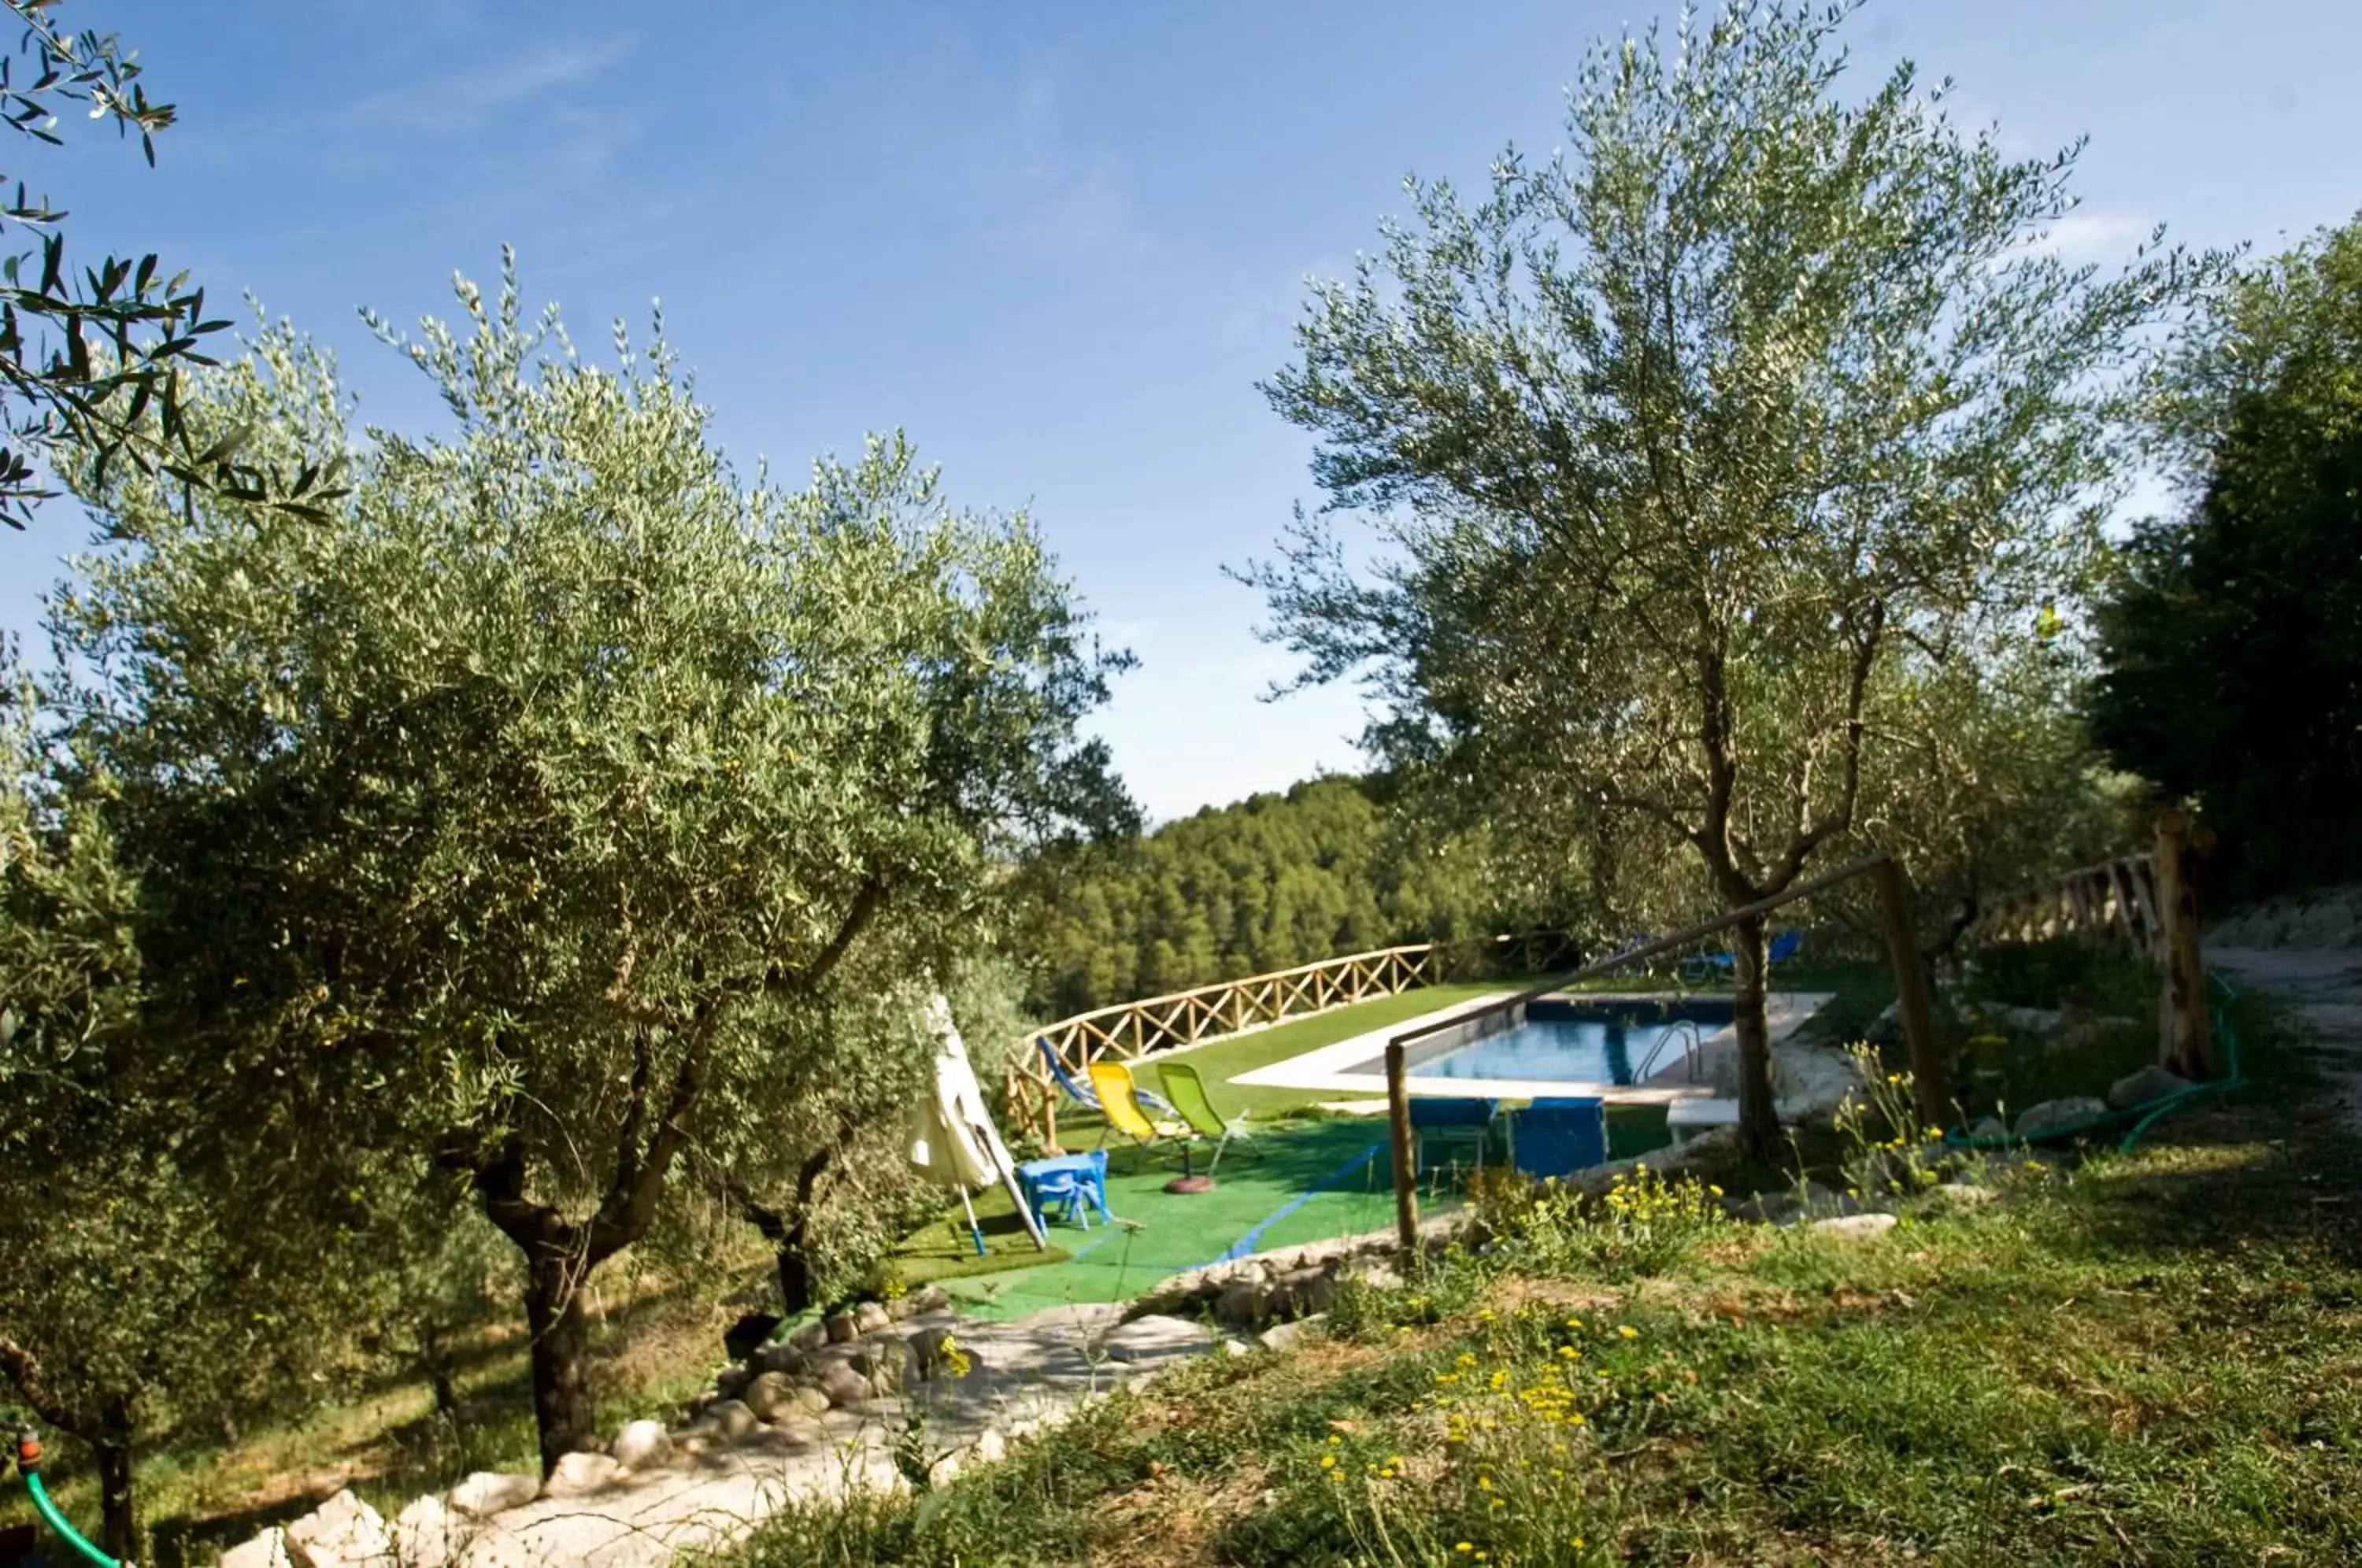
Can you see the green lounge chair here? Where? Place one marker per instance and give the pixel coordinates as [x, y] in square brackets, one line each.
[1187, 1092]
[1119, 1099]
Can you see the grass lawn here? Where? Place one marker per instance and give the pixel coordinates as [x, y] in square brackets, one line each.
[1304, 1182]
[2146, 1359]
[1193, 1231]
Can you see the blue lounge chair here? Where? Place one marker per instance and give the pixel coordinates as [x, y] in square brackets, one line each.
[1556, 1137]
[1700, 965]
[1435, 1123]
[1080, 1093]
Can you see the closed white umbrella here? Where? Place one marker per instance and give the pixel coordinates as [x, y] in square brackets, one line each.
[955, 1141]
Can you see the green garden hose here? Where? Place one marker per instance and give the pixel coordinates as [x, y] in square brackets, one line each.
[29, 1460]
[2142, 1117]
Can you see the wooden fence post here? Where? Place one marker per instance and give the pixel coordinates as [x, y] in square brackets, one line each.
[1910, 993]
[1398, 1127]
[2185, 1041]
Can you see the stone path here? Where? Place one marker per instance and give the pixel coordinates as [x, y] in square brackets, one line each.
[713, 1490]
[2323, 987]
[1025, 1375]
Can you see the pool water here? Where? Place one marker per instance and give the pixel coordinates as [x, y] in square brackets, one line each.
[1599, 1042]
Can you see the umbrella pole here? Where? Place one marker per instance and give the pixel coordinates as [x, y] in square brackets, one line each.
[974, 1231]
[1024, 1209]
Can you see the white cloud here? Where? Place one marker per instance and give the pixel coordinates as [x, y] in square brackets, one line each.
[463, 100]
[2103, 237]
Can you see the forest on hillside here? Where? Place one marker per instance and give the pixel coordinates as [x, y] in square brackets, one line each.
[1271, 882]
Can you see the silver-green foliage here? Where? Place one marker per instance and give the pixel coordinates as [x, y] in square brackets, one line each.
[1710, 456]
[515, 812]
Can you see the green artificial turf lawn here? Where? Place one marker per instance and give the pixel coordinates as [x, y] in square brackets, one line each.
[1307, 1182]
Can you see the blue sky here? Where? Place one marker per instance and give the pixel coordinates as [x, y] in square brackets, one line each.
[1057, 243]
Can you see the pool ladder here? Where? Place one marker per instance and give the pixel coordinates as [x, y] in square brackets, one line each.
[1693, 1052]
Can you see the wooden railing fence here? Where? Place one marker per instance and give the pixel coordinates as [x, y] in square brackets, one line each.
[2149, 904]
[2113, 901]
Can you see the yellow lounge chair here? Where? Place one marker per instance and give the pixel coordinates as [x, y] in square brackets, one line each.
[1120, 1102]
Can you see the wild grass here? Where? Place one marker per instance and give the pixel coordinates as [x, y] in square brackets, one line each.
[2146, 1359]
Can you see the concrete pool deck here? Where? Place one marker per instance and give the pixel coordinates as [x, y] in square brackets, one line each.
[1358, 1065]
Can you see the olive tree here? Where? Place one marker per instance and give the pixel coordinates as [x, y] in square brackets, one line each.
[516, 805]
[823, 1173]
[153, 1283]
[92, 358]
[1690, 451]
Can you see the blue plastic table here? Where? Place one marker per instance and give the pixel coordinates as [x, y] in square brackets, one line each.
[1077, 1183]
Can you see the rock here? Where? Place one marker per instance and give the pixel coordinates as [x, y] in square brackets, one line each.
[1287, 1336]
[2047, 1118]
[1765, 1208]
[427, 1535]
[934, 1298]
[926, 1350]
[1244, 1305]
[840, 1327]
[1235, 1347]
[1821, 1201]
[1886, 1029]
[487, 1493]
[580, 1475]
[1301, 1293]
[268, 1549]
[641, 1445]
[730, 1382]
[1958, 1195]
[886, 1371]
[810, 1401]
[743, 1338]
[869, 1318]
[844, 1386]
[802, 1429]
[733, 1420]
[1988, 1127]
[770, 1394]
[1855, 1227]
[1370, 1274]
[342, 1530]
[810, 1338]
[779, 1356]
[899, 1307]
[2151, 1083]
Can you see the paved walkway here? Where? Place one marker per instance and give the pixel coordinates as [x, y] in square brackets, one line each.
[2323, 987]
[1026, 1374]
[715, 1490]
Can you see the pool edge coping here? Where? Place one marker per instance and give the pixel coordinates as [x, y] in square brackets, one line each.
[1318, 1069]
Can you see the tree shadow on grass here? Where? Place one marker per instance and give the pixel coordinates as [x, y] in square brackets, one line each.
[2272, 1172]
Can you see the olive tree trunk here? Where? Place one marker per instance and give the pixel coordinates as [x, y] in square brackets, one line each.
[118, 1515]
[1757, 1116]
[562, 1406]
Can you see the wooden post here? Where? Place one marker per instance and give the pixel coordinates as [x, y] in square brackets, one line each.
[1910, 993]
[1399, 1126]
[2185, 1041]
[1050, 1150]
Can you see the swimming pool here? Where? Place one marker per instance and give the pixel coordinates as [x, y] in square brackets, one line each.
[1586, 1041]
